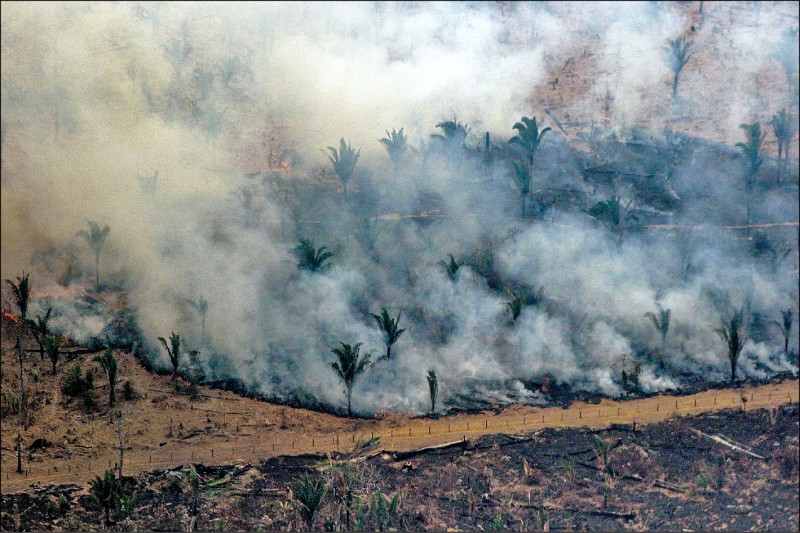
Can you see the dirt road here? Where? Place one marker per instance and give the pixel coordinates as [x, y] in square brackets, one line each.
[250, 443]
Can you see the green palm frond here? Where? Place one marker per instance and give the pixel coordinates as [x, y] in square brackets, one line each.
[433, 388]
[733, 335]
[344, 160]
[173, 351]
[453, 132]
[528, 136]
[310, 258]
[677, 53]
[752, 147]
[451, 267]
[389, 327]
[311, 495]
[21, 291]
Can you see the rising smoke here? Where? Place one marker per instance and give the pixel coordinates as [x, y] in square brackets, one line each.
[225, 109]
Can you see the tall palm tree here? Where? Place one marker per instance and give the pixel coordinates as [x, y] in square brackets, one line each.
[660, 321]
[105, 491]
[614, 215]
[201, 306]
[344, 162]
[754, 158]
[522, 179]
[109, 364]
[40, 329]
[173, 351]
[783, 127]
[451, 267]
[786, 328]
[396, 146]
[52, 345]
[733, 335]
[388, 327]
[310, 258]
[677, 53]
[433, 388]
[21, 292]
[528, 138]
[95, 238]
[349, 366]
[311, 495]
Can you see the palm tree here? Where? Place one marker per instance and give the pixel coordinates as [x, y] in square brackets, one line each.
[389, 328]
[21, 292]
[783, 127]
[451, 268]
[613, 215]
[522, 179]
[201, 306]
[344, 162]
[95, 238]
[528, 137]
[105, 491]
[52, 345]
[660, 321]
[677, 52]
[349, 367]
[754, 156]
[786, 328]
[109, 364]
[310, 258]
[454, 133]
[396, 146]
[311, 495]
[433, 388]
[40, 329]
[733, 335]
[173, 351]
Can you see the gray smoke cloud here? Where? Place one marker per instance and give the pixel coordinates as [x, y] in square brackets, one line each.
[196, 131]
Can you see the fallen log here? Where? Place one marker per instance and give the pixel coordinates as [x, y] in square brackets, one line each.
[612, 514]
[400, 456]
[668, 486]
[730, 445]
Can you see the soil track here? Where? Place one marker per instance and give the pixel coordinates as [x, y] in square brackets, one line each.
[253, 440]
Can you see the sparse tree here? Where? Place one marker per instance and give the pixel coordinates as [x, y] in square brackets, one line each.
[396, 146]
[344, 162]
[309, 258]
[786, 328]
[451, 268]
[40, 329]
[602, 451]
[522, 180]
[614, 215]
[528, 138]
[660, 321]
[389, 329]
[349, 366]
[95, 238]
[173, 351]
[201, 306]
[52, 345]
[733, 335]
[311, 495]
[433, 389]
[754, 157]
[109, 365]
[105, 490]
[677, 55]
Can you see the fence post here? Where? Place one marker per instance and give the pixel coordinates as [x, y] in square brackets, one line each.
[619, 409]
[676, 405]
[313, 442]
[448, 427]
[695, 402]
[429, 430]
[542, 419]
[486, 423]
[658, 406]
[715, 400]
[409, 431]
[212, 452]
[580, 413]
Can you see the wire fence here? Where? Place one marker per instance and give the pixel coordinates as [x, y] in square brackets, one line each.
[422, 432]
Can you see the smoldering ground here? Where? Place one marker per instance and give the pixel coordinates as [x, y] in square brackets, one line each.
[197, 132]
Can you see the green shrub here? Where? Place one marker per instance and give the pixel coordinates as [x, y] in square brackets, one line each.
[76, 384]
[128, 392]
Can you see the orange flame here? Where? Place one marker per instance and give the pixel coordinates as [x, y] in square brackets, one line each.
[13, 317]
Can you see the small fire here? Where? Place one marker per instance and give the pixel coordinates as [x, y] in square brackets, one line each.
[12, 317]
